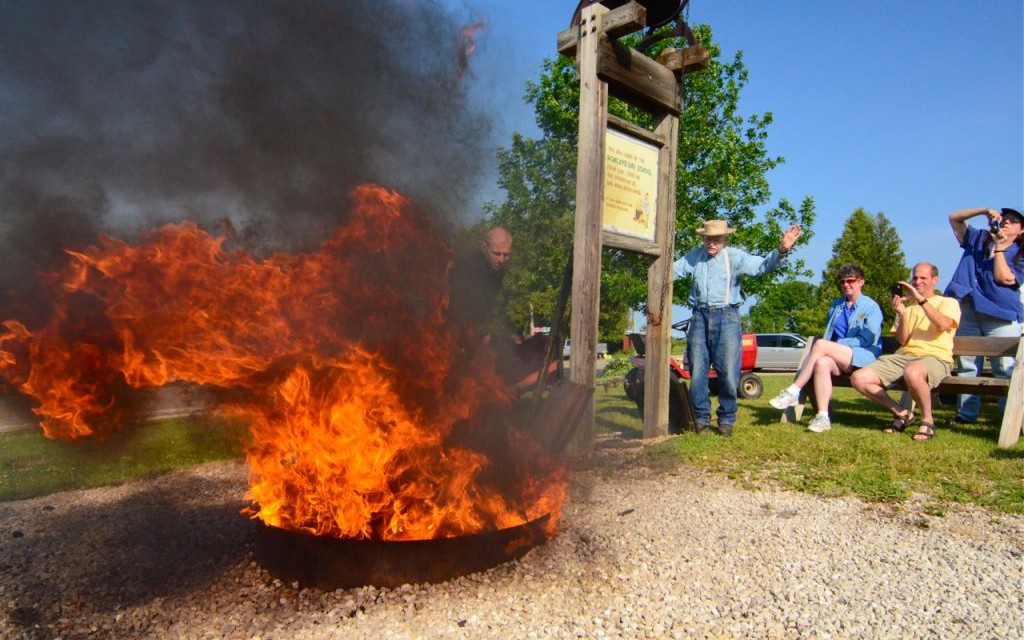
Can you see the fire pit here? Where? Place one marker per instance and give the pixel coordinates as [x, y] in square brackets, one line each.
[331, 563]
[351, 434]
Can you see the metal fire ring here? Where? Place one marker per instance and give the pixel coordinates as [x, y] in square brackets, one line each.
[338, 563]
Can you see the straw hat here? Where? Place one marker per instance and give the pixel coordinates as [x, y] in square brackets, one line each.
[715, 228]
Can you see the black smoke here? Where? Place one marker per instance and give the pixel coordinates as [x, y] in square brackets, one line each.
[119, 115]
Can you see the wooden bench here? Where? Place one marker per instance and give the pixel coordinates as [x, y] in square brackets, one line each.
[1012, 389]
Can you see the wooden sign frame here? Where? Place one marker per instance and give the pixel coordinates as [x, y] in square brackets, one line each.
[610, 68]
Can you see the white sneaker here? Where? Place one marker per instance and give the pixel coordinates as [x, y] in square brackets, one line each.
[820, 424]
[784, 400]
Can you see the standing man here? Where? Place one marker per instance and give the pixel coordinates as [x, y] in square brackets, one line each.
[715, 335]
[987, 282]
[925, 331]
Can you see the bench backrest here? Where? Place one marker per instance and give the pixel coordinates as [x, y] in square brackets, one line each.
[969, 346]
[985, 346]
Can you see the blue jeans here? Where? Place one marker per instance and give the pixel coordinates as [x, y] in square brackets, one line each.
[715, 338]
[973, 323]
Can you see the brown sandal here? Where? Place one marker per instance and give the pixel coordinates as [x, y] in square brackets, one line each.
[902, 421]
[927, 434]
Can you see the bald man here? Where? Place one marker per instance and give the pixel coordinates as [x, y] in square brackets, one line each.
[476, 281]
[497, 248]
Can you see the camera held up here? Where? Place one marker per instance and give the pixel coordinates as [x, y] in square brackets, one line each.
[897, 290]
[993, 227]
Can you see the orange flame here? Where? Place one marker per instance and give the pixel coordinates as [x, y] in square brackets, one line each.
[342, 362]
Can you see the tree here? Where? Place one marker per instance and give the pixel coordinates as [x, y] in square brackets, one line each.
[722, 173]
[872, 243]
[792, 308]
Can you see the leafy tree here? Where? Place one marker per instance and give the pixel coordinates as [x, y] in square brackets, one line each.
[539, 178]
[722, 173]
[792, 308]
[873, 243]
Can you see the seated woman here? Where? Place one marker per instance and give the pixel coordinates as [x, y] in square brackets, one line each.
[852, 339]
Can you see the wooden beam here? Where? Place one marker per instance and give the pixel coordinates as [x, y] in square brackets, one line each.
[659, 286]
[637, 79]
[626, 126]
[618, 22]
[630, 244]
[586, 261]
[1013, 415]
[683, 61]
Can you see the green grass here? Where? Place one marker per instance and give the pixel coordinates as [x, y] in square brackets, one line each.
[31, 465]
[961, 465]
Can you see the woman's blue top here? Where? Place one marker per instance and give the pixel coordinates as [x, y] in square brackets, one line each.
[863, 331]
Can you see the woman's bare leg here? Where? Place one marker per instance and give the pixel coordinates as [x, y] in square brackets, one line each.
[840, 355]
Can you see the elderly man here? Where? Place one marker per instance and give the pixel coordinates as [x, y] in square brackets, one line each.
[852, 339]
[925, 330]
[715, 334]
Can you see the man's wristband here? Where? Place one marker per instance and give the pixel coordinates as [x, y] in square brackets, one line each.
[923, 302]
[999, 251]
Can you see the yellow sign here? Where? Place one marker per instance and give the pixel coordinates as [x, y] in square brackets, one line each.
[630, 186]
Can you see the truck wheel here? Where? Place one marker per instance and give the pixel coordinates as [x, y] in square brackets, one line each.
[751, 386]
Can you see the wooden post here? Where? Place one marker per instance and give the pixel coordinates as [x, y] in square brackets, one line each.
[659, 285]
[586, 283]
[1013, 416]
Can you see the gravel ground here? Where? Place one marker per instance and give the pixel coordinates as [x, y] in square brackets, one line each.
[642, 554]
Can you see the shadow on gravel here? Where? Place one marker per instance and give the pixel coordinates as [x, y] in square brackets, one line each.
[98, 558]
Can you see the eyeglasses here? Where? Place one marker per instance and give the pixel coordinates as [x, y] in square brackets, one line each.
[849, 280]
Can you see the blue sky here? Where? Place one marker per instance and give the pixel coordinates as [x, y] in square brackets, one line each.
[913, 109]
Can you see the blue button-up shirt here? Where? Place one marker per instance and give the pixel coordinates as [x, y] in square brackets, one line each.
[716, 281]
[975, 277]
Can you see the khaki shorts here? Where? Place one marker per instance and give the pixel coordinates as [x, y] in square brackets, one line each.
[890, 367]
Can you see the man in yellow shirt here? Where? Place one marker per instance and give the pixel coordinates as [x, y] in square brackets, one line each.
[925, 331]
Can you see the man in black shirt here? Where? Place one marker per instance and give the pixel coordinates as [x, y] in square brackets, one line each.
[476, 282]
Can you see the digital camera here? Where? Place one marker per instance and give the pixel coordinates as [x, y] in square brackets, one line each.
[897, 289]
[993, 227]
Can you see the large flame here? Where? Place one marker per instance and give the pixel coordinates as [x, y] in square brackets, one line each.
[355, 385]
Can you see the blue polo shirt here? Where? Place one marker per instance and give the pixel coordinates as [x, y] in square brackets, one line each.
[842, 324]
